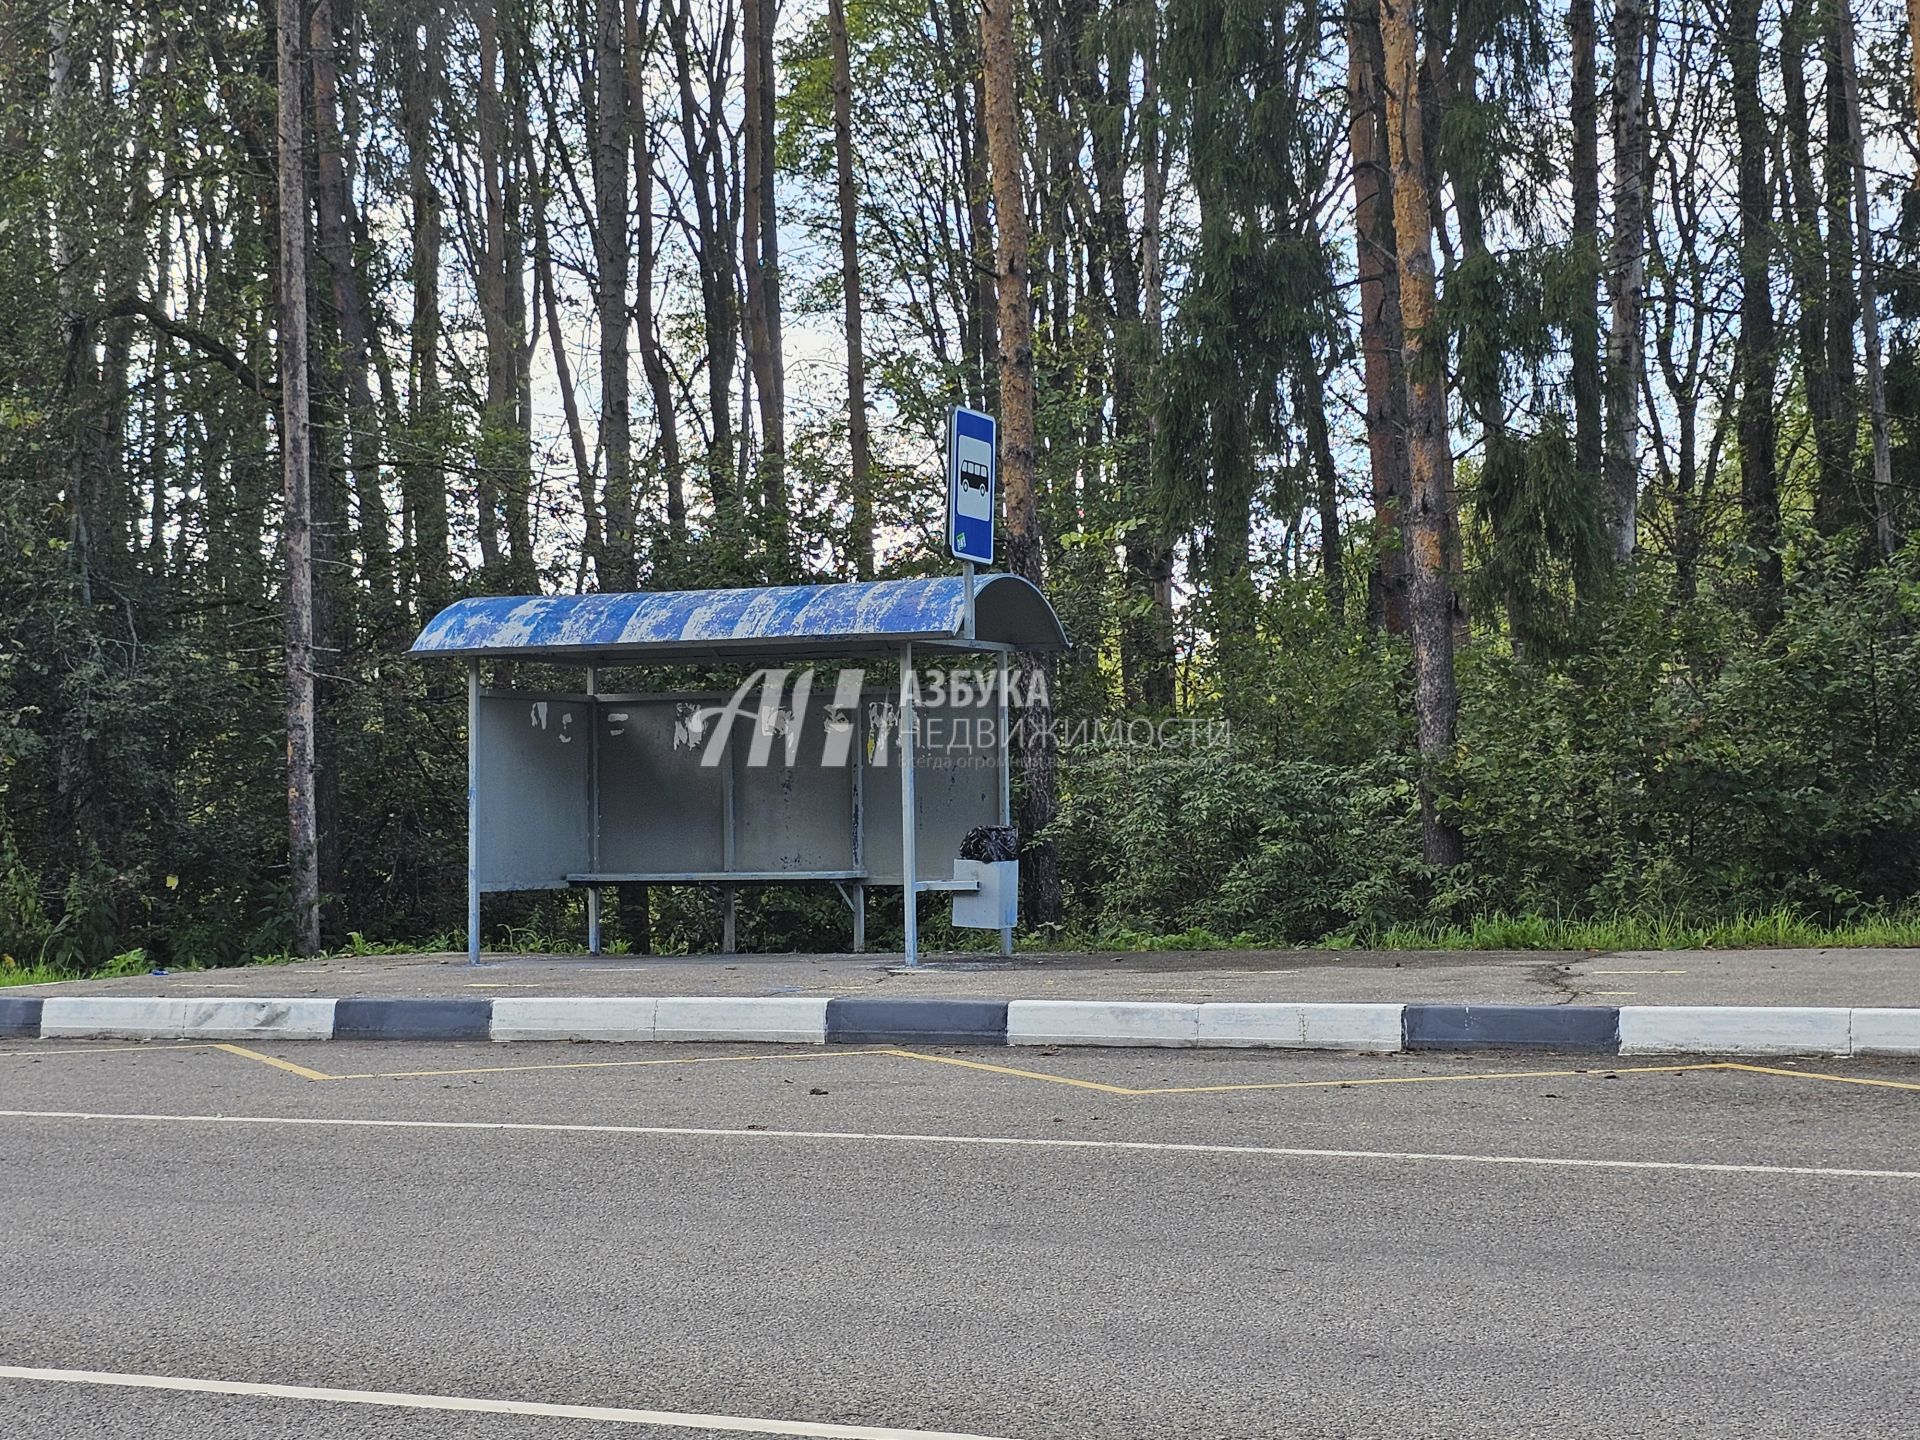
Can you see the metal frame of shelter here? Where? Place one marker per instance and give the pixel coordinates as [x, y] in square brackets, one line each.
[545, 810]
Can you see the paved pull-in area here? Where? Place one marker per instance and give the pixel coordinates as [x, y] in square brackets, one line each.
[1861, 977]
[588, 1241]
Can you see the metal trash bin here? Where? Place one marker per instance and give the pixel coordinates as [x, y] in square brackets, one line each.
[996, 904]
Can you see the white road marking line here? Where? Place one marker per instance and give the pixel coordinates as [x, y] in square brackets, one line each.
[684, 1420]
[1282, 1152]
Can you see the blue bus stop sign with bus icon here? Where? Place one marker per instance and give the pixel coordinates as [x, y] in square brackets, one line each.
[972, 480]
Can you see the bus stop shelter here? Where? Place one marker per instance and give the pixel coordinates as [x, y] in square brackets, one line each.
[801, 774]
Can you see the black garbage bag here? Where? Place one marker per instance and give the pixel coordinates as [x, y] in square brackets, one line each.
[991, 843]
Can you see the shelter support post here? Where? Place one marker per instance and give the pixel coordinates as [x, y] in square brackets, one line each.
[729, 909]
[857, 783]
[1006, 771]
[593, 808]
[909, 809]
[473, 812]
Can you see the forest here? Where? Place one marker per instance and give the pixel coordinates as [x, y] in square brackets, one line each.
[1504, 420]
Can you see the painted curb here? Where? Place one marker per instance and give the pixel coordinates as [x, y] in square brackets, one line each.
[1102, 1022]
[862, 1021]
[571, 1018]
[115, 1017]
[1375, 1029]
[774, 1020]
[869, 1020]
[20, 1016]
[1886, 1032]
[385, 1019]
[756, 1020]
[1735, 1030]
[1508, 1027]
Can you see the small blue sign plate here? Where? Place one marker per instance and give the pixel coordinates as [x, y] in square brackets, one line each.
[973, 481]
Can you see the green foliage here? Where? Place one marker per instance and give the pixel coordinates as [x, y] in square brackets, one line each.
[1234, 843]
[1638, 778]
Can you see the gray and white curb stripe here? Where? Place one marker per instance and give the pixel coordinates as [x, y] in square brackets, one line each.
[871, 1020]
[120, 1017]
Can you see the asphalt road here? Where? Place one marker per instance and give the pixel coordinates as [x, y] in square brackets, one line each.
[986, 1243]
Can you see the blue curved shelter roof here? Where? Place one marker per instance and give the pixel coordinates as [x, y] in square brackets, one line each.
[781, 621]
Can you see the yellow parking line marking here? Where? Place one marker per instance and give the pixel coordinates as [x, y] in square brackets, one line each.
[1015, 1072]
[606, 1065]
[987, 1067]
[1426, 1079]
[1818, 1075]
[1008, 1142]
[287, 1065]
[1133, 1093]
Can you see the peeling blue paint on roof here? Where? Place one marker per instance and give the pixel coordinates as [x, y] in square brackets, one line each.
[868, 617]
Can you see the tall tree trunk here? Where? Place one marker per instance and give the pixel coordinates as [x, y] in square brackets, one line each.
[80, 383]
[849, 205]
[1913, 75]
[1003, 67]
[760, 237]
[702, 138]
[1149, 554]
[972, 107]
[1106, 104]
[1584, 329]
[614, 565]
[1756, 361]
[1844, 505]
[295, 450]
[1800, 202]
[652, 354]
[423, 474]
[548, 297]
[1430, 455]
[496, 414]
[334, 206]
[517, 493]
[1627, 275]
[160, 422]
[503, 456]
[1885, 530]
[1381, 338]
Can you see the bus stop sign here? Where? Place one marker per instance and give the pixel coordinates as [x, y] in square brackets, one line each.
[972, 479]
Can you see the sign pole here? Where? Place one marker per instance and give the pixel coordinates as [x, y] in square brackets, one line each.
[966, 581]
[1006, 772]
[473, 812]
[593, 807]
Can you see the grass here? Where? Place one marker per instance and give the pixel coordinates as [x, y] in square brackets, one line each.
[12, 972]
[1498, 930]
[1747, 930]
[135, 962]
[526, 940]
